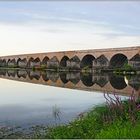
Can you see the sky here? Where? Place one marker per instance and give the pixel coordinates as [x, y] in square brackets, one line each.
[49, 26]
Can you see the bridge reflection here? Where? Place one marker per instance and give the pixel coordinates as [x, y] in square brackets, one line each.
[76, 80]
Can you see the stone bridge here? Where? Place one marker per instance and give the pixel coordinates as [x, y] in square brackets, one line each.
[97, 58]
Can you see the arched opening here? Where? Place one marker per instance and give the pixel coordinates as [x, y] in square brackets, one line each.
[37, 60]
[63, 62]
[86, 79]
[3, 62]
[22, 63]
[34, 62]
[19, 60]
[87, 61]
[117, 82]
[8, 61]
[135, 58]
[118, 61]
[12, 63]
[44, 62]
[30, 61]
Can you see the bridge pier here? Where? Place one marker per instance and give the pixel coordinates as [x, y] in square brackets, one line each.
[135, 61]
[53, 63]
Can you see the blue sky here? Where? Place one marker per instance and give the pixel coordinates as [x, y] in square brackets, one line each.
[29, 27]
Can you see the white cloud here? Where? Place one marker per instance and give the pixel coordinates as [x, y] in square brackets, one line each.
[40, 37]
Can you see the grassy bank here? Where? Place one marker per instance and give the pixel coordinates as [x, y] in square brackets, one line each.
[101, 123]
[115, 119]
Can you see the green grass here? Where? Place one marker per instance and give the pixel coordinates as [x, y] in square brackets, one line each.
[92, 127]
[120, 130]
[81, 128]
[103, 122]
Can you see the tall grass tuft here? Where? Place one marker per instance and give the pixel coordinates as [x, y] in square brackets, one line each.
[118, 109]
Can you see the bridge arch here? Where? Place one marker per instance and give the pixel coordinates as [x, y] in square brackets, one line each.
[34, 62]
[45, 61]
[8, 61]
[118, 60]
[11, 62]
[3, 63]
[30, 61]
[18, 60]
[37, 60]
[22, 62]
[87, 61]
[63, 62]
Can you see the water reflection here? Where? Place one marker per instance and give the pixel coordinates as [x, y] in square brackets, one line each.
[101, 80]
[135, 82]
[26, 104]
[77, 80]
[56, 113]
[22, 73]
[118, 82]
[87, 79]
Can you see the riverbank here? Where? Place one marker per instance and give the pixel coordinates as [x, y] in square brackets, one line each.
[116, 119]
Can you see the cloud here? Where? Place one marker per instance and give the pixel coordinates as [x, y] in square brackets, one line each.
[44, 37]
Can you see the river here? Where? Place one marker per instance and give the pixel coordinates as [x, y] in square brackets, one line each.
[30, 98]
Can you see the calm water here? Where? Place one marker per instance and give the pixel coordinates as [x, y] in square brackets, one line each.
[27, 99]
